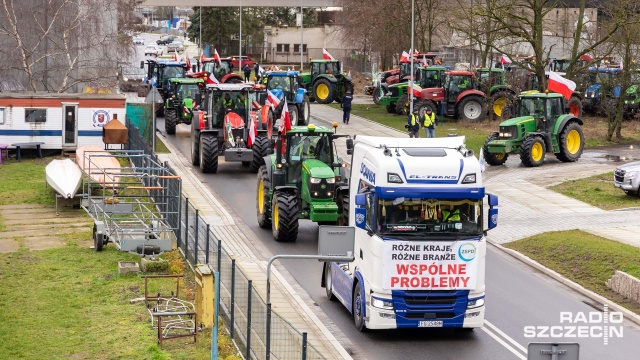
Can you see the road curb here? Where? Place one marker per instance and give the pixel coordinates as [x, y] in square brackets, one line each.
[628, 314]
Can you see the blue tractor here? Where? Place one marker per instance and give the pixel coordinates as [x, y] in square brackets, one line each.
[605, 86]
[160, 71]
[288, 84]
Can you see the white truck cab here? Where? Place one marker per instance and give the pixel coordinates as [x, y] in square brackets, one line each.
[420, 246]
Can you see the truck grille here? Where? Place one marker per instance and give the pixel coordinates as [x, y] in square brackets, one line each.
[429, 315]
[324, 190]
[619, 175]
[429, 301]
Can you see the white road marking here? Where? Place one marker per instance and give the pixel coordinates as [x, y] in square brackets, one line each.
[503, 343]
[501, 333]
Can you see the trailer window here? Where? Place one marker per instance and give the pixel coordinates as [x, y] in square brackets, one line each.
[35, 115]
[1, 116]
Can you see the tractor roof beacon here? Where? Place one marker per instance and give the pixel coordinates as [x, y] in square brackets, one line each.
[304, 179]
[541, 126]
[223, 127]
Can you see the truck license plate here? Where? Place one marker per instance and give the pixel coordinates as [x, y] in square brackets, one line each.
[430, 323]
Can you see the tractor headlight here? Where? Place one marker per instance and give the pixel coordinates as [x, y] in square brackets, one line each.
[331, 180]
[314, 180]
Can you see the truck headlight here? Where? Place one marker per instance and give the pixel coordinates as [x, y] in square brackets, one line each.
[394, 178]
[469, 179]
[314, 180]
[474, 303]
[382, 303]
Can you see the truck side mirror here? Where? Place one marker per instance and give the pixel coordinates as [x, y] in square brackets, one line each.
[492, 220]
[361, 199]
[349, 146]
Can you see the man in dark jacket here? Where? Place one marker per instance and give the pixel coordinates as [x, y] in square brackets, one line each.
[256, 69]
[413, 123]
[247, 72]
[346, 106]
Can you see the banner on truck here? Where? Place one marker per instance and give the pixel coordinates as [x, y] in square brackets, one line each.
[412, 265]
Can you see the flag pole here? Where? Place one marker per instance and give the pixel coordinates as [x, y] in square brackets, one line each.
[411, 59]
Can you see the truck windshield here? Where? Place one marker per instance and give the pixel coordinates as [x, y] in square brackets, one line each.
[404, 217]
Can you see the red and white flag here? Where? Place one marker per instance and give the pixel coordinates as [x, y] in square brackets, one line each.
[202, 58]
[405, 57]
[561, 85]
[424, 60]
[505, 60]
[326, 55]
[272, 99]
[587, 57]
[175, 55]
[216, 57]
[621, 65]
[211, 79]
[256, 104]
[253, 131]
[416, 89]
[186, 55]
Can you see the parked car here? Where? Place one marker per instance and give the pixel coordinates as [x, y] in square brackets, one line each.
[627, 178]
[153, 50]
[175, 46]
[165, 40]
[138, 40]
[235, 61]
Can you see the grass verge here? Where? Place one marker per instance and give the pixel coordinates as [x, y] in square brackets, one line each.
[598, 190]
[24, 182]
[586, 259]
[161, 148]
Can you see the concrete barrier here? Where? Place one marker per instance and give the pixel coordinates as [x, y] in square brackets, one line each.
[625, 285]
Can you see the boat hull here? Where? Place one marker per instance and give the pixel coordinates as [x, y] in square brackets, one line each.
[64, 176]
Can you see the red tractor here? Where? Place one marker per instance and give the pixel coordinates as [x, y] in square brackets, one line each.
[222, 71]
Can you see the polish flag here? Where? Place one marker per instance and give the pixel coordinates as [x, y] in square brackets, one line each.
[175, 55]
[416, 89]
[505, 60]
[216, 57]
[260, 69]
[256, 104]
[424, 61]
[561, 85]
[211, 79]
[186, 55]
[405, 57]
[272, 99]
[326, 55]
[252, 131]
[587, 58]
[202, 58]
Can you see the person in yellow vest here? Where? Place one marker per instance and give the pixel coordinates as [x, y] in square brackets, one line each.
[413, 123]
[429, 123]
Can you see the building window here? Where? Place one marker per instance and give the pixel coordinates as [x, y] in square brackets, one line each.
[1, 116]
[296, 48]
[35, 115]
[282, 48]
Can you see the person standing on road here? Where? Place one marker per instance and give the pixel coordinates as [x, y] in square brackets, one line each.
[247, 72]
[413, 123]
[429, 123]
[346, 107]
[256, 70]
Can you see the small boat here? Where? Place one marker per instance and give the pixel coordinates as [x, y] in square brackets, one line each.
[100, 165]
[64, 176]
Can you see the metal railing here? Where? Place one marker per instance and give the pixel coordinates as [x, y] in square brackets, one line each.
[243, 310]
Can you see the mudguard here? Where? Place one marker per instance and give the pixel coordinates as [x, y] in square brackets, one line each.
[331, 78]
[360, 278]
[469, 92]
[288, 189]
[225, 79]
[300, 95]
[563, 120]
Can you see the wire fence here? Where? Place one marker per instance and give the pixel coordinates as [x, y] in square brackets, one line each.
[242, 308]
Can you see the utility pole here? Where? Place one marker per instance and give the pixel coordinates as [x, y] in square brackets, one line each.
[200, 37]
[411, 59]
[301, 35]
[240, 40]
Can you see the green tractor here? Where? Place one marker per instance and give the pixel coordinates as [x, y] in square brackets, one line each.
[397, 98]
[304, 179]
[492, 82]
[184, 95]
[326, 83]
[541, 126]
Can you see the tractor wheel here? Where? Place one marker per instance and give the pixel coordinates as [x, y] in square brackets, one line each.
[97, 239]
[391, 109]
[170, 122]
[343, 207]
[208, 153]
[376, 96]
[532, 151]
[498, 102]
[305, 112]
[575, 106]
[323, 91]
[402, 106]
[263, 202]
[293, 114]
[195, 147]
[422, 106]
[571, 142]
[472, 108]
[494, 159]
[284, 220]
[260, 149]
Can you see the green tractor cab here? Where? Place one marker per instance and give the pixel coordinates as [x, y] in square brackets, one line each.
[183, 97]
[159, 73]
[492, 82]
[396, 99]
[304, 179]
[326, 83]
[541, 126]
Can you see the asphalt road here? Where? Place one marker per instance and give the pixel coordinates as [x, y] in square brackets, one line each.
[517, 296]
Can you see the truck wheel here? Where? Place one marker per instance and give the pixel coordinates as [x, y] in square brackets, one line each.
[472, 108]
[97, 239]
[532, 151]
[358, 304]
[494, 159]
[195, 146]
[260, 149]
[284, 218]
[402, 106]
[208, 153]
[575, 106]
[170, 122]
[343, 206]
[571, 143]
[305, 112]
[263, 201]
[328, 282]
[497, 103]
[376, 96]
[391, 109]
[323, 91]
[293, 114]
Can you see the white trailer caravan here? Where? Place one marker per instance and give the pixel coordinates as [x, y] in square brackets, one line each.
[419, 236]
[60, 121]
